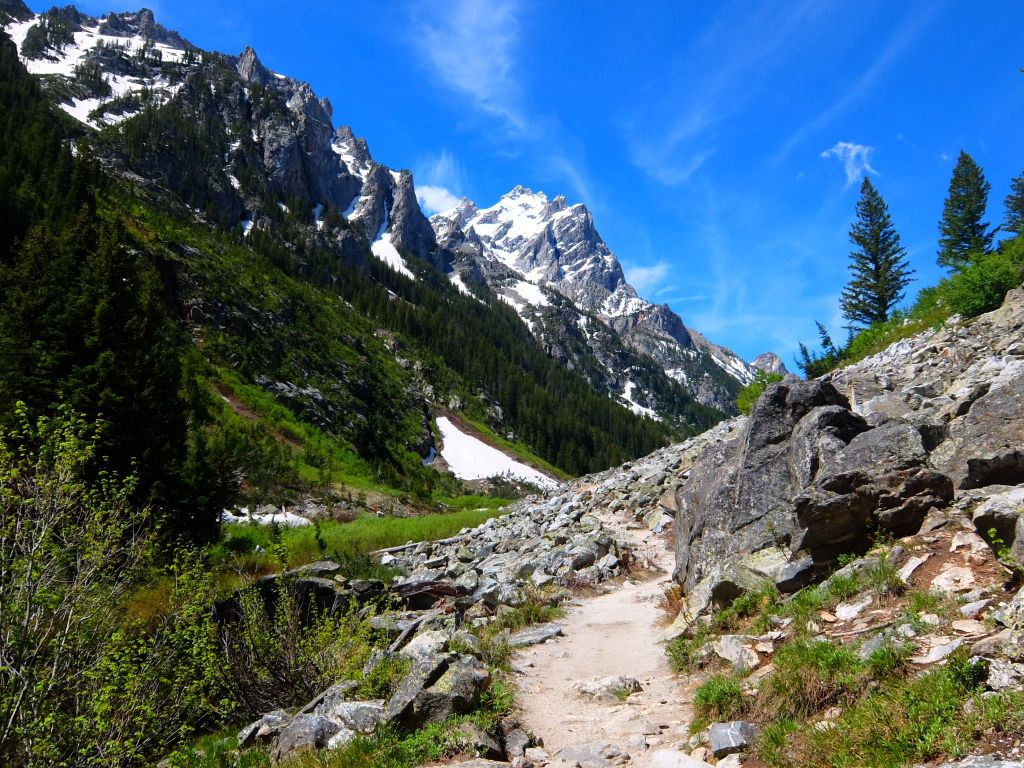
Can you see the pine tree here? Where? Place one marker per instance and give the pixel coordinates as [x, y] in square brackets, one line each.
[1014, 222]
[963, 234]
[878, 265]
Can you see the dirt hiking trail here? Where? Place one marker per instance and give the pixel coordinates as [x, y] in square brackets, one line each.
[613, 634]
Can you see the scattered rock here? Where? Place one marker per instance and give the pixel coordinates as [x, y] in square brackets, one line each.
[912, 565]
[954, 578]
[848, 611]
[940, 649]
[729, 738]
[303, 733]
[736, 649]
[479, 741]
[595, 755]
[264, 730]
[540, 633]
[607, 689]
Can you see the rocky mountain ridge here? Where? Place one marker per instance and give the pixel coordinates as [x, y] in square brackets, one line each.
[281, 155]
[526, 242]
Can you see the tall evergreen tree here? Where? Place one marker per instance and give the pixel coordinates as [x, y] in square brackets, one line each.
[963, 234]
[878, 265]
[1014, 221]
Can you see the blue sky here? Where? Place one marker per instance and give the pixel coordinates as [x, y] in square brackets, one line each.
[719, 145]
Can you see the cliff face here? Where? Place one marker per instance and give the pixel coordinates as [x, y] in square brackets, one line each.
[929, 427]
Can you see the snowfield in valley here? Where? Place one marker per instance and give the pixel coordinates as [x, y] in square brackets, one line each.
[472, 459]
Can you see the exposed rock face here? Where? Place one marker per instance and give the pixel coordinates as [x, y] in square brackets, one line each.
[769, 362]
[15, 10]
[810, 474]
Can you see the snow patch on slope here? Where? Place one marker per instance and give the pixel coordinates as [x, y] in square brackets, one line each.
[634, 406]
[385, 250]
[472, 459]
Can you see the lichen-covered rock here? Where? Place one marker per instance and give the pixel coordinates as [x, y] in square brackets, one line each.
[303, 733]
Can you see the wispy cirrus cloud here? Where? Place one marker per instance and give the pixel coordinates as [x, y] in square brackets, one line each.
[676, 133]
[648, 279]
[856, 160]
[900, 40]
[470, 46]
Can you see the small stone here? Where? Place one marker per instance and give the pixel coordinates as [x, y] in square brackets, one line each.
[938, 651]
[537, 755]
[971, 610]
[670, 758]
[848, 611]
[636, 743]
[535, 635]
[954, 578]
[969, 627]
[736, 650]
[912, 565]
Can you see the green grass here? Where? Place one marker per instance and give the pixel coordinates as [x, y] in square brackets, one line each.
[684, 652]
[346, 466]
[719, 698]
[914, 720]
[358, 537]
[809, 676]
[529, 613]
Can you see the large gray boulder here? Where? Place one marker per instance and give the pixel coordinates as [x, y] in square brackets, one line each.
[437, 688]
[304, 733]
[986, 445]
[739, 498]
[806, 481]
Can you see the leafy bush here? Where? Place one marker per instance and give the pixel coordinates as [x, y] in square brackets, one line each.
[80, 683]
[982, 284]
[276, 657]
[683, 652]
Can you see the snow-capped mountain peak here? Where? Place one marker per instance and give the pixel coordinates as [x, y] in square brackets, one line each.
[526, 242]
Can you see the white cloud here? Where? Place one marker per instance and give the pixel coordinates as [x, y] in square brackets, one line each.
[647, 279]
[897, 44]
[855, 159]
[469, 46]
[436, 199]
[442, 170]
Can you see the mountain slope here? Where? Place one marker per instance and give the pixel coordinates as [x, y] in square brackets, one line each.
[314, 358]
[104, 71]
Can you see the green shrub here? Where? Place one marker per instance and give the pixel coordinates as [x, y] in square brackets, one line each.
[916, 720]
[683, 652]
[843, 586]
[983, 283]
[810, 676]
[889, 662]
[718, 699]
[275, 658]
[884, 577]
[750, 394]
[749, 604]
